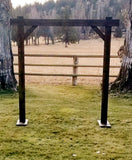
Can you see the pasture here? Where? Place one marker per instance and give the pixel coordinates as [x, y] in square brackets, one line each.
[88, 47]
[63, 125]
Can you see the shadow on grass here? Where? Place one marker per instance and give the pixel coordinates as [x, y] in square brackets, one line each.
[8, 92]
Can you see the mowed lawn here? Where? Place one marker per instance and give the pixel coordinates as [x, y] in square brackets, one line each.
[63, 125]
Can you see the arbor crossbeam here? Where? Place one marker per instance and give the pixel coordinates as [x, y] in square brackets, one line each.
[62, 22]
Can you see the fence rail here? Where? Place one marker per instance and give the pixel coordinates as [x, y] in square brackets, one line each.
[66, 65]
[65, 75]
[75, 65]
[65, 55]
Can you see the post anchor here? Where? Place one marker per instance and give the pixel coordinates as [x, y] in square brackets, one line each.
[21, 123]
[104, 125]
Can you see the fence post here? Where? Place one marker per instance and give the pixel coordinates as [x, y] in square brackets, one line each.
[22, 118]
[75, 70]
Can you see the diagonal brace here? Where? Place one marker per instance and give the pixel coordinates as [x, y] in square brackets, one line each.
[98, 31]
[29, 31]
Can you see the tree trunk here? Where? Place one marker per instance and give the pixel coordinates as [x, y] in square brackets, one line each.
[32, 40]
[38, 40]
[123, 82]
[48, 40]
[27, 42]
[7, 78]
[35, 39]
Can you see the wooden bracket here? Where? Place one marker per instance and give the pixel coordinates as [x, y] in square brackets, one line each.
[29, 31]
[98, 31]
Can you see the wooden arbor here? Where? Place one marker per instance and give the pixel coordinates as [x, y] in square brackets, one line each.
[108, 23]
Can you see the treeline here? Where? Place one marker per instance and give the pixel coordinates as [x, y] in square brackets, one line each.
[69, 9]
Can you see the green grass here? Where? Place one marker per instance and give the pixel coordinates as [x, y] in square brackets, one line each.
[63, 125]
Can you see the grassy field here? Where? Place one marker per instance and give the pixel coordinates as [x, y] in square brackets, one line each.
[63, 125]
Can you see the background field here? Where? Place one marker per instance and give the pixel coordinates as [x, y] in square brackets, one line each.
[88, 47]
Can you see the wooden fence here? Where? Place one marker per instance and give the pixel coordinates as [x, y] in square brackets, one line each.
[75, 66]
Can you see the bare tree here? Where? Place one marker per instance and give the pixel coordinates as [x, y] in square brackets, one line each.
[124, 80]
[7, 78]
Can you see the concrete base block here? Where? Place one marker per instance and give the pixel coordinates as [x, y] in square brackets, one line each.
[103, 125]
[22, 124]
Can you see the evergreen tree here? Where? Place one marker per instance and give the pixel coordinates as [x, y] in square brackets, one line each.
[66, 34]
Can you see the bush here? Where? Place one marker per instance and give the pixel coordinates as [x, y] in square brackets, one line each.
[118, 32]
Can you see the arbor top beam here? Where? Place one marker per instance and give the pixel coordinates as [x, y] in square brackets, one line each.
[61, 22]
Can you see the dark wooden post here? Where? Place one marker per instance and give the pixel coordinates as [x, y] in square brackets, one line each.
[22, 118]
[75, 70]
[106, 65]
